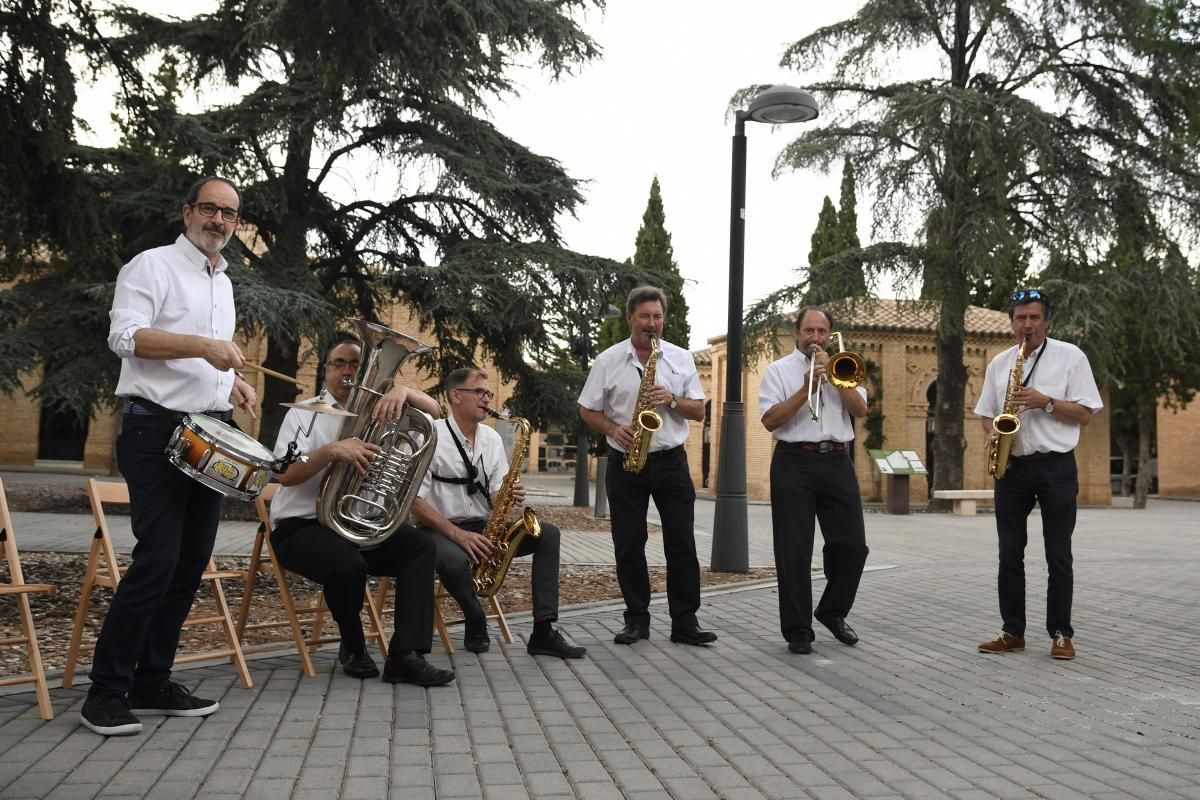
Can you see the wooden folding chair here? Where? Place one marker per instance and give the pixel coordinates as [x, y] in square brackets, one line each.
[263, 562]
[20, 591]
[102, 570]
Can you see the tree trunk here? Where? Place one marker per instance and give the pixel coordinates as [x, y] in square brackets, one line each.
[1146, 412]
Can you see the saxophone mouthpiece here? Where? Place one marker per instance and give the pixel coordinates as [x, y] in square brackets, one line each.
[491, 412]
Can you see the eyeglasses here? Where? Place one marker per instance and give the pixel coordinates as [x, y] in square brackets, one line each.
[1023, 295]
[480, 392]
[341, 363]
[211, 209]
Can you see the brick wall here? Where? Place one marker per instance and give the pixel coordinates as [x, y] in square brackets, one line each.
[1178, 446]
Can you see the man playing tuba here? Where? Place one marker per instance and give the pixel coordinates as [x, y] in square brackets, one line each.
[457, 495]
[305, 546]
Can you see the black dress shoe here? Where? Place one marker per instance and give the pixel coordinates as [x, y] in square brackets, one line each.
[692, 635]
[801, 646]
[553, 644]
[840, 630]
[413, 668]
[476, 638]
[357, 665]
[632, 632]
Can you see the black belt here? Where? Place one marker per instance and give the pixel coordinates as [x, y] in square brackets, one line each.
[1041, 456]
[670, 451]
[142, 406]
[817, 447]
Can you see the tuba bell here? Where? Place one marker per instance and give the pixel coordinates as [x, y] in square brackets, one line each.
[367, 509]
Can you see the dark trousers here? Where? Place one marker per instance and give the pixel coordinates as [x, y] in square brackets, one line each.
[308, 548]
[1053, 484]
[455, 569]
[809, 487]
[665, 478]
[174, 520]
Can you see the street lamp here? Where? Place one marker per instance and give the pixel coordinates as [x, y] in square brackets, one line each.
[778, 105]
[581, 438]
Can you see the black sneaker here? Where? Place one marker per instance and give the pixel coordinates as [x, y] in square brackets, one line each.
[172, 701]
[357, 665]
[475, 637]
[413, 668]
[108, 714]
[553, 644]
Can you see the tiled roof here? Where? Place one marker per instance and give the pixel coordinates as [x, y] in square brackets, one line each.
[911, 315]
[703, 357]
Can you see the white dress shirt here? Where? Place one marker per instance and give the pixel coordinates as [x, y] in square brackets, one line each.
[613, 383]
[783, 379]
[301, 500]
[1064, 375]
[171, 289]
[452, 500]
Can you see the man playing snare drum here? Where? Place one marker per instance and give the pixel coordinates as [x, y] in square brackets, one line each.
[172, 324]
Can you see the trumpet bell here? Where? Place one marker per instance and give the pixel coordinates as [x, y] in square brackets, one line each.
[846, 370]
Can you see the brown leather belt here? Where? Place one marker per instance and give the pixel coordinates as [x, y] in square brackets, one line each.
[1039, 456]
[817, 447]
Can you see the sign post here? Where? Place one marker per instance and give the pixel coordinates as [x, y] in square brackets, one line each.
[897, 465]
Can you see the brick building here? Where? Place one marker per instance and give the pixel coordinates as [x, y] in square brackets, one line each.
[1178, 444]
[898, 337]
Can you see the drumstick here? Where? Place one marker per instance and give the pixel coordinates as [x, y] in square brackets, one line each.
[271, 372]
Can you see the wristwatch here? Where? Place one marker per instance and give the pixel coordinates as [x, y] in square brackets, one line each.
[1050, 406]
[674, 402]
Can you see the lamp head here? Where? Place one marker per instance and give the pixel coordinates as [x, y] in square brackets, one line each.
[780, 105]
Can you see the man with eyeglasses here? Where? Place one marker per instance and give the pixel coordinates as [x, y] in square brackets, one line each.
[1057, 396]
[455, 502]
[304, 546]
[172, 324]
[607, 405]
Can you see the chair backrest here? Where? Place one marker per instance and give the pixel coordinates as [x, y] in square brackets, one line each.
[101, 492]
[9, 553]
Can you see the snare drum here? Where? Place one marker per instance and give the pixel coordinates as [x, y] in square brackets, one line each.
[220, 456]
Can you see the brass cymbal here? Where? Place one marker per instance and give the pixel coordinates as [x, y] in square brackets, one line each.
[319, 405]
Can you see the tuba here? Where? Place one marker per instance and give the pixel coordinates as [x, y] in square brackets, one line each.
[645, 419]
[488, 575]
[367, 509]
[1008, 421]
[844, 370]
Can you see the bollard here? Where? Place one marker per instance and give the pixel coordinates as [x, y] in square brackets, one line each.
[601, 488]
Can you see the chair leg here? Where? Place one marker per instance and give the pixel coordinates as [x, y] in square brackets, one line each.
[440, 623]
[498, 615]
[374, 607]
[81, 612]
[251, 582]
[237, 657]
[35, 658]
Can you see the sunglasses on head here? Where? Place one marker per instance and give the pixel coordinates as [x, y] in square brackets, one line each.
[1024, 295]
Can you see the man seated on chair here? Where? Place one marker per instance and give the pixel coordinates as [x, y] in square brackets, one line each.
[455, 501]
[306, 547]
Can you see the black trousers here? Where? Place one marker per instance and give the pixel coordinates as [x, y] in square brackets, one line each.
[1053, 484]
[807, 487]
[455, 569]
[174, 520]
[665, 478]
[308, 548]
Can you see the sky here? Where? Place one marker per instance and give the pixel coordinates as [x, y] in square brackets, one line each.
[656, 104]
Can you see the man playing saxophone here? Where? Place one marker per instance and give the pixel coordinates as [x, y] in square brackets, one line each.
[305, 546]
[1055, 396]
[618, 380]
[456, 499]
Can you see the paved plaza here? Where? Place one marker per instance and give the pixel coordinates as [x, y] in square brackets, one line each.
[912, 712]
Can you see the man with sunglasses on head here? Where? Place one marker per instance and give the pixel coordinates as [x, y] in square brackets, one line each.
[304, 546]
[1057, 396]
[172, 323]
[455, 502]
[607, 405]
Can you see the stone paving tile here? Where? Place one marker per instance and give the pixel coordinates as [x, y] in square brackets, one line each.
[912, 712]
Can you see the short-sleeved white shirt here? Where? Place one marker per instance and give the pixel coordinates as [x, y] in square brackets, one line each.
[613, 383]
[783, 379]
[452, 500]
[301, 500]
[1063, 374]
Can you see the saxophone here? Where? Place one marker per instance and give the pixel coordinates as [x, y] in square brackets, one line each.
[645, 419]
[1007, 422]
[506, 538]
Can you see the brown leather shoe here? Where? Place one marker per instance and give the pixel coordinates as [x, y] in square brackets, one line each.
[1004, 643]
[1061, 647]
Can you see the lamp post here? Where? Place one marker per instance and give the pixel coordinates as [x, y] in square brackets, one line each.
[581, 438]
[778, 105]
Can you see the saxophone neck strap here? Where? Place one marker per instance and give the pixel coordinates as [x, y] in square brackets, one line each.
[1037, 359]
[471, 481]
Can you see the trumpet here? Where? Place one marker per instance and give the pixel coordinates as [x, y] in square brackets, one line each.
[845, 370]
